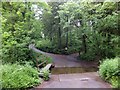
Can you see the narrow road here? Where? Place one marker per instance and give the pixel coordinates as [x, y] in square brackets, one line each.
[80, 80]
[74, 80]
[66, 60]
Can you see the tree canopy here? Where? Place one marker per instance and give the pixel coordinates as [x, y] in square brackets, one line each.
[64, 27]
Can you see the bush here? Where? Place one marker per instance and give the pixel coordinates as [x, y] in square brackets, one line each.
[41, 58]
[45, 74]
[16, 34]
[109, 71]
[19, 76]
[44, 45]
[14, 51]
[48, 46]
[115, 81]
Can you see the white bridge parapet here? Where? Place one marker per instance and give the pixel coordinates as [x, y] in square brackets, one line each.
[32, 47]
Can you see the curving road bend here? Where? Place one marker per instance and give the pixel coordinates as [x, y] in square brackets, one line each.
[66, 60]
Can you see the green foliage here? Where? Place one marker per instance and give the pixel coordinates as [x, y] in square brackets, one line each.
[109, 70]
[48, 46]
[44, 45]
[19, 29]
[53, 27]
[19, 76]
[89, 56]
[41, 58]
[45, 74]
[99, 42]
[116, 45]
[61, 30]
[37, 29]
[16, 31]
[115, 81]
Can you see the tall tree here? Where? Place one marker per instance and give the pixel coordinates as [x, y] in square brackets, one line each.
[16, 31]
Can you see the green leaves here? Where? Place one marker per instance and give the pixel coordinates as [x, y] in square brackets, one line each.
[45, 73]
[25, 23]
[19, 76]
[98, 21]
[109, 70]
[16, 31]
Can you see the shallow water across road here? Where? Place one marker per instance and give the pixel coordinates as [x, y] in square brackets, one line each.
[70, 70]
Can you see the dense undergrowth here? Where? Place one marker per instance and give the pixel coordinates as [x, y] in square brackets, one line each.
[109, 70]
[19, 76]
[39, 58]
[48, 46]
[24, 74]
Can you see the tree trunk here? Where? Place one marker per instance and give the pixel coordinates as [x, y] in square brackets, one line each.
[59, 35]
[70, 38]
[84, 43]
[67, 35]
[67, 38]
[59, 38]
